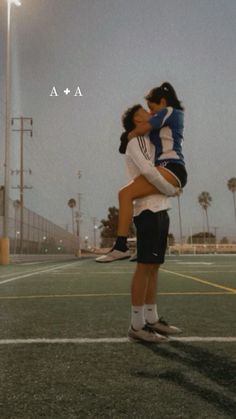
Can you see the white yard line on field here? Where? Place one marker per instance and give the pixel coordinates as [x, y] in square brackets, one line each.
[194, 263]
[220, 339]
[36, 272]
[202, 281]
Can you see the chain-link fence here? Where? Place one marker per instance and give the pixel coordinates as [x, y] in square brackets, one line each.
[36, 235]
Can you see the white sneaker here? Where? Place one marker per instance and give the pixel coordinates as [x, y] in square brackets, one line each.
[146, 334]
[161, 326]
[133, 258]
[113, 255]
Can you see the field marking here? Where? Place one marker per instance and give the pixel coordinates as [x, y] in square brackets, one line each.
[7, 275]
[194, 278]
[221, 266]
[212, 271]
[11, 274]
[30, 297]
[93, 272]
[222, 339]
[36, 272]
[205, 339]
[124, 294]
[126, 272]
[194, 263]
[31, 263]
[206, 255]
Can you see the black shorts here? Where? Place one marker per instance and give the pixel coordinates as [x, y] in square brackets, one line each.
[152, 231]
[177, 169]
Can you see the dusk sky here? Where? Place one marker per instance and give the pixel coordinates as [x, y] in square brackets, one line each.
[116, 51]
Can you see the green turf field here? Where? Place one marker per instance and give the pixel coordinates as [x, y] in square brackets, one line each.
[64, 351]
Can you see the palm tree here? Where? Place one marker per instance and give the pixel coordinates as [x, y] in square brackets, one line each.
[109, 227]
[204, 200]
[71, 204]
[232, 187]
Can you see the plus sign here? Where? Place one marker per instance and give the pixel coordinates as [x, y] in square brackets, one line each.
[67, 91]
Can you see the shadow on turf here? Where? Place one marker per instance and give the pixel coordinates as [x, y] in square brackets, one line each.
[219, 370]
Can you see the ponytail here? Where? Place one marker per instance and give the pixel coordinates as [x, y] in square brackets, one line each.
[166, 91]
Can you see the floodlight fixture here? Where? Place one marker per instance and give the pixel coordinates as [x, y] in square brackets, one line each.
[15, 2]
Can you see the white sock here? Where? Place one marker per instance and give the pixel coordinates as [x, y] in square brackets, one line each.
[137, 317]
[150, 313]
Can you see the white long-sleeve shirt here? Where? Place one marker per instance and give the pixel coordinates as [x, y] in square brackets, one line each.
[140, 155]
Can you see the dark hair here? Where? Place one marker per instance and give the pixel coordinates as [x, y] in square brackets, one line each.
[128, 116]
[166, 91]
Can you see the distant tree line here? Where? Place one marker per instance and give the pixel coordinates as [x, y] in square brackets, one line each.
[109, 226]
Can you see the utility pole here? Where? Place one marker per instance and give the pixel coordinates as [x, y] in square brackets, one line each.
[4, 241]
[95, 227]
[16, 205]
[22, 130]
[78, 215]
[180, 222]
[78, 220]
[215, 230]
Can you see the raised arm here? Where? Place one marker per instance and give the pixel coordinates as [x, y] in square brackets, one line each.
[141, 129]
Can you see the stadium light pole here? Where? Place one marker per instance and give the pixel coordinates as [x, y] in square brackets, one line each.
[5, 247]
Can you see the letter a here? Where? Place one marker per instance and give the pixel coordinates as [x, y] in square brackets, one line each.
[78, 92]
[54, 92]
